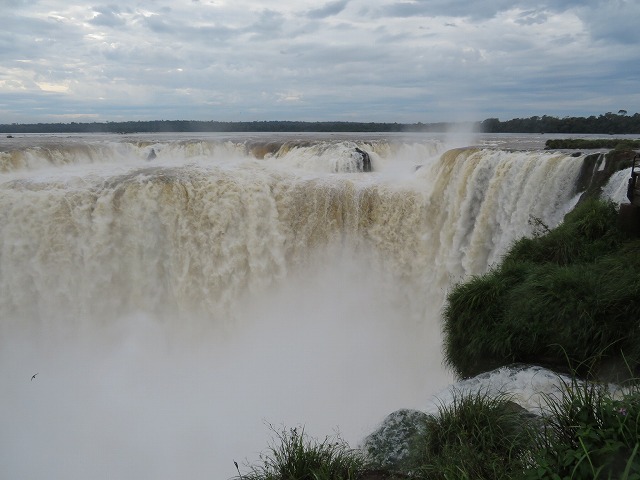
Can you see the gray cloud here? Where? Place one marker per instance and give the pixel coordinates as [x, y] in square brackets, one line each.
[613, 20]
[381, 60]
[159, 24]
[448, 8]
[108, 16]
[328, 10]
[532, 17]
[269, 25]
[17, 4]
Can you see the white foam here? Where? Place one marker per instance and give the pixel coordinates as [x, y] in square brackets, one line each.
[528, 386]
[173, 307]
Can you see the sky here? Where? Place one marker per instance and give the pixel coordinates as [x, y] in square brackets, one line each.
[343, 60]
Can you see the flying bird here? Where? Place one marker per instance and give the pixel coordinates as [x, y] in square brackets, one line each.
[34, 376]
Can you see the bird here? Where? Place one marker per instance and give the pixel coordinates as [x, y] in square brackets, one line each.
[34, 376]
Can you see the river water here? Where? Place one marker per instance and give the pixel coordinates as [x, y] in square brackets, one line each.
[173, 308]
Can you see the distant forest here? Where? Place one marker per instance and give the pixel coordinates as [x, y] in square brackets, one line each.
[608, 123]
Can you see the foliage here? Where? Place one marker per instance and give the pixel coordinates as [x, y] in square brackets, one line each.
[297, 457]
[573, 292]
[587, 233]
[476, 436]
[585, 144]
[164, 126]
[589, 432]
[608, 123]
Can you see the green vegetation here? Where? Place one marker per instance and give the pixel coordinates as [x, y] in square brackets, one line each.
[587, 144]
[297, 457]
[164, 126]
[589, 432]
[475, 436]
[571, 293]
[569, 298]
[608, 123]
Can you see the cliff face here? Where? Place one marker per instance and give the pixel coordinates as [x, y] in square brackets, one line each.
[596, 171]
[567, 299]
[597, 168]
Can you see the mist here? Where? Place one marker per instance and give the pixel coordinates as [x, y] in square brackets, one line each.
[174, 311]
[334, 348]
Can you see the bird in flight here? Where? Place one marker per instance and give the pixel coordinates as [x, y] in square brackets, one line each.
[34, 376]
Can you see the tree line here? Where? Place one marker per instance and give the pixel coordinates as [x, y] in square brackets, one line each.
[608, 123]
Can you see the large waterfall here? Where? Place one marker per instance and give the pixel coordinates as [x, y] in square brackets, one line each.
[174, 307]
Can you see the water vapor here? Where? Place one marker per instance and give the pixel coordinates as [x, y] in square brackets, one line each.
[174, 308]
[333, 349]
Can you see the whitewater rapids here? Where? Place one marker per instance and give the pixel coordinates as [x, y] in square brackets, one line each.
[173, 308]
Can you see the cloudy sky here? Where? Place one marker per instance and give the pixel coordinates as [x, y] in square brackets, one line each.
[352, 60]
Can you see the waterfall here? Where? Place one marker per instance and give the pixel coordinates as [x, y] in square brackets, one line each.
[172, 307]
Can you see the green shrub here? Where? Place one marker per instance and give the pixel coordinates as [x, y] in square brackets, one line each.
[573, 293]
[587, 233]
[297, 457]
[477, 436]
[583, 143]
[589, 432]
[473, 312]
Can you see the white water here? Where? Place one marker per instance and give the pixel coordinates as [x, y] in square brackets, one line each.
[173, 308]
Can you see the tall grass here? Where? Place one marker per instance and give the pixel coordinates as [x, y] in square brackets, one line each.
[588, 232]
[590, 432]
[476, 436]
[574, 292]
[295, 456]
[587, 431]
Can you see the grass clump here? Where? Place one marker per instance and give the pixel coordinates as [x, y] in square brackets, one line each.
[588, 232]
[589, 432]
[586, 430]
[573, 293]
[476, 436]
[295, 456]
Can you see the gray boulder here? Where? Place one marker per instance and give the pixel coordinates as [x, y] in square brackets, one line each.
[388, 446]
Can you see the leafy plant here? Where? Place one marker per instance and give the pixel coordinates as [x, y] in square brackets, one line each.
[590, 432]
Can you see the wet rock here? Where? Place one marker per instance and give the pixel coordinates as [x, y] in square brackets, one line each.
[388, 445]
[366, 160]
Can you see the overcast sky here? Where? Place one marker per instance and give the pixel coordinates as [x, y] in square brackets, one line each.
[352, 60]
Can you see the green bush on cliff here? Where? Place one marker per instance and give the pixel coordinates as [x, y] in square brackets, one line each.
[571, 294]
[587, 233]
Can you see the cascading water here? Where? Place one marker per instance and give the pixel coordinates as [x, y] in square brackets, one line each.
[172, 308]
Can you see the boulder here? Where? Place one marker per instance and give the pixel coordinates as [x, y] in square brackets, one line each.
[366, 160]
[388, 446]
